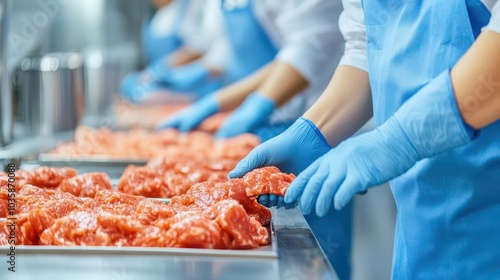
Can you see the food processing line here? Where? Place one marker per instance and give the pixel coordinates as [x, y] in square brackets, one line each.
[32, 122]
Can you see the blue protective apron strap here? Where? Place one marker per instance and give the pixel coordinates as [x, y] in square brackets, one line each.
[251, 46]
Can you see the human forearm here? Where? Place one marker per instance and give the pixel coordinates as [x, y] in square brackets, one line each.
[183, 56]
[233, 95]
[344, 106]
[282, 83]
[476, 81]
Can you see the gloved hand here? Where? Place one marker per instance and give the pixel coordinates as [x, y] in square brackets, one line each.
[192, 116]
[181, 79]
[254, 112]
[426, 125]
[135, 87]
[292, 152]
[271, 200]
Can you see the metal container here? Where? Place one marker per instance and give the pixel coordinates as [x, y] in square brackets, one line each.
[51, 92]
[104, 69]
[6, 112]
[102, 79]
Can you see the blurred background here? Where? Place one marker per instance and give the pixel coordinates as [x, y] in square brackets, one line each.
[105, 34]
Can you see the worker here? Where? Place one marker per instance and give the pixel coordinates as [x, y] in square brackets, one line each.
[281, 61]
[430, 73]
[171, 28]
[176, 42]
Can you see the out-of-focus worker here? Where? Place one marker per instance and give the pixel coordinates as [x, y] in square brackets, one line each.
[432, 74]
[282, 58]
[182, 55]
[173, 27]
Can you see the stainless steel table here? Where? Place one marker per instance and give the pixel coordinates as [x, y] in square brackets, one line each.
[300, 258]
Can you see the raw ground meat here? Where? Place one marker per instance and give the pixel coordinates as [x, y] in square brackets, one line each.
[101, 229]
[165, 177]
[209, 215]
[245, 232]
[202, 196]
[112, 202]
[267, 180]
[44, 177]
[86, 185]
[145, 144]
[28, 227]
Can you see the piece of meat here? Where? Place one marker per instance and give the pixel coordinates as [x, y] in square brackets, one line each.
[203, 195]
[112, 202]
[192, 229]
[267, 180]
[245, 231]
[143, 181]
[44, 177]
[4, 208]
[165, 177]
[28, 227]
[103, 229]
[86, 185]
[148, 211]
[78, 228]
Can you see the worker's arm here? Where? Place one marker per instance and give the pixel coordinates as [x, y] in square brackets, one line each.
[233, 95]
[476, 81]
[344, 107]
[282, 83]
[183, 56]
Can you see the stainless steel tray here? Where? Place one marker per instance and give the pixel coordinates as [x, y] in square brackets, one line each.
[96, 160]
[267, 252]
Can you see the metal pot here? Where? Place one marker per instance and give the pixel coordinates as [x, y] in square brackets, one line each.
[51, 92]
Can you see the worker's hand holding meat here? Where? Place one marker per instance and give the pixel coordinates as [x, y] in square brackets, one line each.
[292, 151]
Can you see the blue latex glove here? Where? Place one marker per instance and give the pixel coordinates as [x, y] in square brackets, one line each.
[135, 87]
[253, 113]
[181, 79]
[428, 124]
[291, 151]
[192, 116]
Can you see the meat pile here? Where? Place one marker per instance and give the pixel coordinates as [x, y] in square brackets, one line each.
[61, 180]
[144, 144]
[210, 215]
[165, 177]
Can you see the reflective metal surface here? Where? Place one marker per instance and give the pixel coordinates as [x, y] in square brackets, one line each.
[51, 93]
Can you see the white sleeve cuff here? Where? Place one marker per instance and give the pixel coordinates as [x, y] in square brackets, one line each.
[494, 24]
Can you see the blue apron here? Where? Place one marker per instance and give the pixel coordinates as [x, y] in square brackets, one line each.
[251, 48]
[158, 47]
[448, 206]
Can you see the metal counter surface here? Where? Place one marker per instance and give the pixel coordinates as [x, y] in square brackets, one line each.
[300, 258]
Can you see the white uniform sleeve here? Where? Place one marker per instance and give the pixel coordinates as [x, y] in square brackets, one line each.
[494, 24]
[352, 26]
[192, 24]
[310, 37]
[212, 38]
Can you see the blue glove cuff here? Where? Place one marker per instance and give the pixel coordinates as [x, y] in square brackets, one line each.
[315, 129]
[257, 101]
[186, 76]
[431, 119]
[207, 104]
[159, 69]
